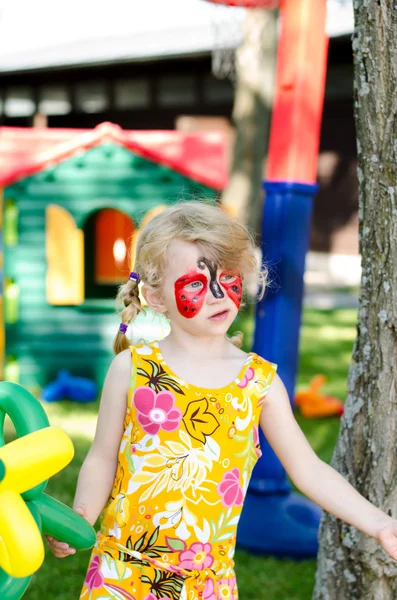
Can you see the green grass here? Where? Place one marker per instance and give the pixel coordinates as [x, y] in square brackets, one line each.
[326, 344]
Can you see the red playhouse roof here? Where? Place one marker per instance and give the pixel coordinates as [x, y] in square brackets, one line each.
[200, 156]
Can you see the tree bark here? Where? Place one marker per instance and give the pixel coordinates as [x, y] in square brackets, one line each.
[255, 68]
[352, 566]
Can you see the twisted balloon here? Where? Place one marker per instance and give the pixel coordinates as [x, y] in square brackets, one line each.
[39, 452]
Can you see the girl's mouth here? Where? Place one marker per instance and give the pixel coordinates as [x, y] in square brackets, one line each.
[220, 316]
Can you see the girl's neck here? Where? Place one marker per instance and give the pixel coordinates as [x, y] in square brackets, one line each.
[182, 342]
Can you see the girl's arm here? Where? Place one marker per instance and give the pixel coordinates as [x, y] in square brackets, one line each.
[317, 480]
[98, 471]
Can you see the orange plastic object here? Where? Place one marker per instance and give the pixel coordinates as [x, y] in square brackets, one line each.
[313, 404]
[299, 95]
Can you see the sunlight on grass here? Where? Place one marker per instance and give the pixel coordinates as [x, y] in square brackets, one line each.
[331, 333]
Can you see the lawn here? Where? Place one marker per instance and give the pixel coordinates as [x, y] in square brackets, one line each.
[326, 344]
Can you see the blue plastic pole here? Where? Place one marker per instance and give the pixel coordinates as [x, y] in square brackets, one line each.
[274, 520]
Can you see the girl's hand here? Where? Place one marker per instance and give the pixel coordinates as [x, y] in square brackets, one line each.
[62, 549]
[387, 538]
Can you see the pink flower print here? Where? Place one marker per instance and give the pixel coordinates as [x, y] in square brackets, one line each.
[156, 411]
[257, 442]
[196, 557]
[226, 589]
[209, 590]
[247, 377]
[94, 578]
[153, 597]
[230, 489]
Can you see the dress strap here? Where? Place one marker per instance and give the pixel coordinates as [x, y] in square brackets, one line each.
[133, 367]
[133, 382]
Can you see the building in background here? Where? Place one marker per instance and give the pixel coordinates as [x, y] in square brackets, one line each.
[148, 66]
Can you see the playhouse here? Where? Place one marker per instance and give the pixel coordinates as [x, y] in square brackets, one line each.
[72, 205]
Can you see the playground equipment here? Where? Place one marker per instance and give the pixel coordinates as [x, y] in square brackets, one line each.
[82, 258]
[274, 520]
[313, 404]
[65, 386]
[25, 465]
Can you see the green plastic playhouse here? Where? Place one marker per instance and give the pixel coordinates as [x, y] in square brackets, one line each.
[73, 203]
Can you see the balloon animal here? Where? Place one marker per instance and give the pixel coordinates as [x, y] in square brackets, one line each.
[25, 466]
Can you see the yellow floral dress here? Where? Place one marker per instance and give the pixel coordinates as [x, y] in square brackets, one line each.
[168, 531]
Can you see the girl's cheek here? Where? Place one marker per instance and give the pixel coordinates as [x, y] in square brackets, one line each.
[189, 305]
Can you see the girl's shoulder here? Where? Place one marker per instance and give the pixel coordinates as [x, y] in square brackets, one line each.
[258, 363]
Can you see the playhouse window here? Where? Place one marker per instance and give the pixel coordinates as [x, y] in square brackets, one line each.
[108, 234]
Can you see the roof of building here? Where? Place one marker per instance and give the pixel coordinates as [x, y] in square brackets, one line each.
[198, 156]
[47, 34]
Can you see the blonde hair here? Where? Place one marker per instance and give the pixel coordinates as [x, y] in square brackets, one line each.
[223, 240]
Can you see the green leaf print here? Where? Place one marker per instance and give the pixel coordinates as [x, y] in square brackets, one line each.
[225, 528]
[153, 537]
[175, 544]
[248, 450]
[120, 569]
[147, 548]
[165, 583]
[138, 545]
[158, 379]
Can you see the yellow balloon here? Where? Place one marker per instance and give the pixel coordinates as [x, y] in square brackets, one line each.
[25, 463]
[22, 550]
[31, 459]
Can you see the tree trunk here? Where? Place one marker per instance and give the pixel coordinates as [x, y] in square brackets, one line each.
[255, 67]
[352, 566]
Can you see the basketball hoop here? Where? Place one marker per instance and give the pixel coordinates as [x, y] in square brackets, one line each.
[228, 32]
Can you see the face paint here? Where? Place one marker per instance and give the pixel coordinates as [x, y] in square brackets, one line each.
[190, 301]
[214, 285]
[234, 287]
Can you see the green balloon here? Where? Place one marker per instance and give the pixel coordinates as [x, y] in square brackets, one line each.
[63, 523]
[27, 415]
[52, 517]
[12, 588]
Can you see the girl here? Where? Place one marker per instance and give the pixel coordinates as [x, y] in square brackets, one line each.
[177, 433]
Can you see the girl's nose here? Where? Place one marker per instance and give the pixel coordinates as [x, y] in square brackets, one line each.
[215, 293]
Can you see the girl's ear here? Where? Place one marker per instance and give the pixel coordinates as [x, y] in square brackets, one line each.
[153, 298]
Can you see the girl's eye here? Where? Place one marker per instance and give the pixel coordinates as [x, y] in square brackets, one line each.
[228, 278]
[195, 285]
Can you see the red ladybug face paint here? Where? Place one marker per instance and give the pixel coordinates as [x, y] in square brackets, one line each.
[190, 292]
[233, 285]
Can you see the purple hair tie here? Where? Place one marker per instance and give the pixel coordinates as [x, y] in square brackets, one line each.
[134, 277]
[123, 328]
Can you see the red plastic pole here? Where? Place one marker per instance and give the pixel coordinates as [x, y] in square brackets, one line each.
[299, 95]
